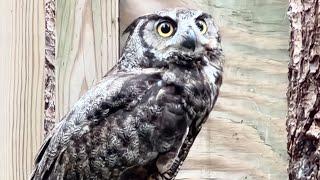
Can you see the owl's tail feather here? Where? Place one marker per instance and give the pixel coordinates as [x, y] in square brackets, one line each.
[35, 173]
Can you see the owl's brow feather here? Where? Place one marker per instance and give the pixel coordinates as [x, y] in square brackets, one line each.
[204, 16]
[134, 24]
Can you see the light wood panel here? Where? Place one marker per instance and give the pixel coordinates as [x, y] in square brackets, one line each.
[21, 91]
[87, 47]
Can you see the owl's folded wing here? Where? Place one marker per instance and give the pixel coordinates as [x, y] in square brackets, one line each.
[113, 93]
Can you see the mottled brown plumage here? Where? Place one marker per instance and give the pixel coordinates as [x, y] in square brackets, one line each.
[141, 119]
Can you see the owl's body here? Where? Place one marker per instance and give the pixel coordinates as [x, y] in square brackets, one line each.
[142, 118]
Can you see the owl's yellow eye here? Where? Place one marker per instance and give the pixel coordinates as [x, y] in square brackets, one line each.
[165, 29]
[202, 25]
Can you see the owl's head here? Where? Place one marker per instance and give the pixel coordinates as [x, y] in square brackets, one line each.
[154, 39]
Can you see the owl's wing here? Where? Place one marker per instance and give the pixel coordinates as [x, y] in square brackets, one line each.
[114, 92]
[167, 165]
[172, 172]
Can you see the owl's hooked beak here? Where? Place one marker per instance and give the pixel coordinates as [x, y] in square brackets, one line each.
[189, 40]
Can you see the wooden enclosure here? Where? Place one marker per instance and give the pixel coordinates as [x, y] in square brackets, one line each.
[245, 138]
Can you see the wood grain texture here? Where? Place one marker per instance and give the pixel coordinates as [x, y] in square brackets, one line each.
[21, 91]
[87, 47]
[245, 137]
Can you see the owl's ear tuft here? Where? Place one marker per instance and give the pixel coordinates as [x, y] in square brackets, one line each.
[134, 24]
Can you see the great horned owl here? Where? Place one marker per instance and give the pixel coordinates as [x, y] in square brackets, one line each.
[141, 119]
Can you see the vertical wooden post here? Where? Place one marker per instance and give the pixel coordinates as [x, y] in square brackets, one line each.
[87, 47]
[21, 91]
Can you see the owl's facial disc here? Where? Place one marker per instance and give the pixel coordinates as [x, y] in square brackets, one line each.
[184, 33]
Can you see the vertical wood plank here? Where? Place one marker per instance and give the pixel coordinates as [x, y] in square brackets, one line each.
[21, 97]
[87, 47]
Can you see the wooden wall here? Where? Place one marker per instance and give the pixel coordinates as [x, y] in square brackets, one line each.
[87, 47]
[244, 139]
[21, 90]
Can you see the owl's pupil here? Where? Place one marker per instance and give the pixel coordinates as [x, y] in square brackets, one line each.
[165, 28]
[200, 26]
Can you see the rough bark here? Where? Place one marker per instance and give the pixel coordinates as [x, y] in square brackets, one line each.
[50, 41]
[303, 120]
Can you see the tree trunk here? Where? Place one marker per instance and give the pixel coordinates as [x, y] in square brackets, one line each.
[49, 66]
[303, 120]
